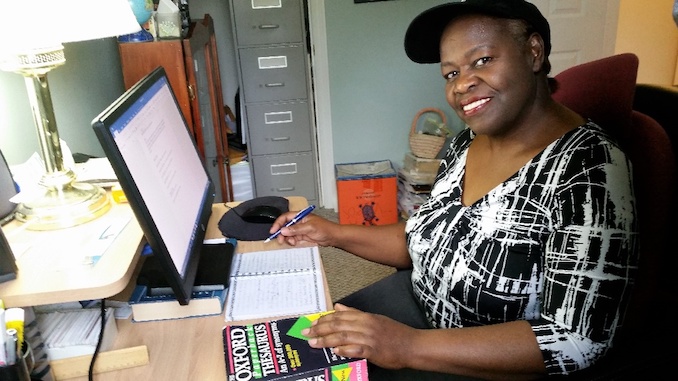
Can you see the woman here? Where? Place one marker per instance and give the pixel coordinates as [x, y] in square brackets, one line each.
[522, 257]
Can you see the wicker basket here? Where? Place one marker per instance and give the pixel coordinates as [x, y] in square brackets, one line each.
[424, 145]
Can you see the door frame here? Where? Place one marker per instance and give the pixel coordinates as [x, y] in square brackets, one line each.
[322, 105]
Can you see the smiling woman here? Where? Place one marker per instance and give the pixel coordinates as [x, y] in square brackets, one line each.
[531, 214]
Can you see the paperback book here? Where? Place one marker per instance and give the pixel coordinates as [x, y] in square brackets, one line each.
[276, 350]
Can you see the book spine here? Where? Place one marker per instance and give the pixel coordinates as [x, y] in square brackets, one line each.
[254, 352]
[141, 295]
[162, 309]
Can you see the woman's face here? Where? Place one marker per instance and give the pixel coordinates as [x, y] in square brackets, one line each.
[490, 73]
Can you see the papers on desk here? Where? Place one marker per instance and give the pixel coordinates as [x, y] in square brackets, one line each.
[75, 332]
[275, 283]
[98, 171]
[29, 173]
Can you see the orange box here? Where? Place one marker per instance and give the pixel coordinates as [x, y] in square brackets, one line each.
[367, 193]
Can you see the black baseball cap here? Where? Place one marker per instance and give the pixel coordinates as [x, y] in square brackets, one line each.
[422, 39]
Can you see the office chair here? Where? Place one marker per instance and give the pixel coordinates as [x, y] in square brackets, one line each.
[603, 90]
[659, 103]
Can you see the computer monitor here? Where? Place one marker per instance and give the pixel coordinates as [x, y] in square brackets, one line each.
[8, 266]
[148, 143]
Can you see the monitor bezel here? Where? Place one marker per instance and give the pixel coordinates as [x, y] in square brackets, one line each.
[181, 286]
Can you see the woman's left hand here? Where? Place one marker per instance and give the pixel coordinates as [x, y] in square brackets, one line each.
[353, 333]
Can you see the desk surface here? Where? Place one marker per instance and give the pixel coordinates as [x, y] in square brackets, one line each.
[184, 349]
[45, 276]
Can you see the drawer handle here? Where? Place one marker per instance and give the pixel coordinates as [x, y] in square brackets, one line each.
[290, 189]
[269, 26]
[284, 169]
[276, 84]
[281, 139]
[264, 4]
[278, 117]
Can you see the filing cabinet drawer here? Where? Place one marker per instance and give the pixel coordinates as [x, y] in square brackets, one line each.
[285, 175]
[279, 128]
[267, 21]
[273, 73]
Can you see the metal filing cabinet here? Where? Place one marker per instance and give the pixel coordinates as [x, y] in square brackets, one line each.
[273, 69]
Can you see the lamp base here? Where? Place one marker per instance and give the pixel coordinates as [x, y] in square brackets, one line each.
[75, 204]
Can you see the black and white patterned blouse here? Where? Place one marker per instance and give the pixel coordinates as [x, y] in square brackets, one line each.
[555, 244]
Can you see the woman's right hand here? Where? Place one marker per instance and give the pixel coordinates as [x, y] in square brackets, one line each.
[311, 229]
[384, 244]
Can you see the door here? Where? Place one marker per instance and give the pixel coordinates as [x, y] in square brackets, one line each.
[581, 30]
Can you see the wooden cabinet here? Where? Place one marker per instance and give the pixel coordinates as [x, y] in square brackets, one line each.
[274, 73]
[192, 66]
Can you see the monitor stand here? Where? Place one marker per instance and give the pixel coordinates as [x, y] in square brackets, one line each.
[214, 267]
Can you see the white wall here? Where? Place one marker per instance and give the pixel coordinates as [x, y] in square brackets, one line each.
[375, 89]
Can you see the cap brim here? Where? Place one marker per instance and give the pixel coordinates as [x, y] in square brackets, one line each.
[422, 39]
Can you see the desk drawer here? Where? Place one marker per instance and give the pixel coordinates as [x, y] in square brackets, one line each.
[260, 22]
[285, 175]
[273, 73]
[279, 127]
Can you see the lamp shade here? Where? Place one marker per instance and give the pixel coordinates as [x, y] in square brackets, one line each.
[39, 24]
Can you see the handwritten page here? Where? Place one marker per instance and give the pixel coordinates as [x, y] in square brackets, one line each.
[275, 283]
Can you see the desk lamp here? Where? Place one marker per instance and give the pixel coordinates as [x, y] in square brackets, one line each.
[32, 46]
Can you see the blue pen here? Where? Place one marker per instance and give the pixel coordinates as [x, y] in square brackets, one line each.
[293, 221]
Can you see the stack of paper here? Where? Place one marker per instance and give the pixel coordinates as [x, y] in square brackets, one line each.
[97, 171]
[75, 333]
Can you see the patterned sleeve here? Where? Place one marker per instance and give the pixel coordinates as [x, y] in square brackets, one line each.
[590, 258]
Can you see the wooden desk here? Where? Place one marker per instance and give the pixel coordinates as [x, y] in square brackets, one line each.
[185, 349]
[43, 279]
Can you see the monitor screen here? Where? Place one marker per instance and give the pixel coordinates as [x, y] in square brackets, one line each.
[149, 145]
